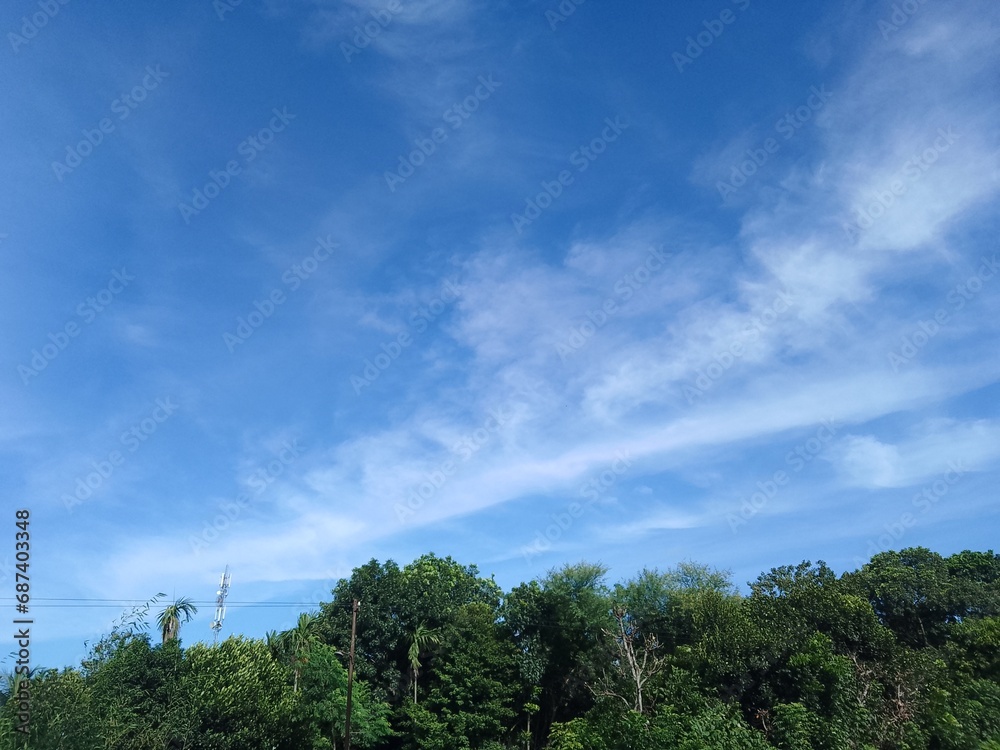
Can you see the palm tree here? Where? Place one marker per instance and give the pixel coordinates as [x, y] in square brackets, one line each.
[275, 644]
[420, 639]
[299, 642]
[170, 618]
[10, 684]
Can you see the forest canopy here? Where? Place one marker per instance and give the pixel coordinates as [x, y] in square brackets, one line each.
[903, 653]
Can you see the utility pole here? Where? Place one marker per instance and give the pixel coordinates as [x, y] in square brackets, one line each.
[350, 673]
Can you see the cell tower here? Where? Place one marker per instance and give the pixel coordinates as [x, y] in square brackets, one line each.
[220, 604]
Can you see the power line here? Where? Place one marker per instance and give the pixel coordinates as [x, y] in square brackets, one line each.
[126, 601]
[56, 603]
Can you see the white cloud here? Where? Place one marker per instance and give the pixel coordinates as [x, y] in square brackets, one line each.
[865, 461]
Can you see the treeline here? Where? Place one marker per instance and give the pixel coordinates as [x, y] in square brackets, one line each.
[901, 654]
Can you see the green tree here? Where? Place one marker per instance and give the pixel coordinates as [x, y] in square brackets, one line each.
[298, 644]
[381, 631]
[674, 609]
[62, 715]
[240, 699]
[323, 703]
[557, 626]
[395, 601]
[420, 639]
[913, 593]
[276, 645]
[173, 615]
[709, 726]
[975, 584]
[474, 686]
[422, 729]
[137, 695]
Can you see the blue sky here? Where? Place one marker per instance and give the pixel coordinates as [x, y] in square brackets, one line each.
[290, 285]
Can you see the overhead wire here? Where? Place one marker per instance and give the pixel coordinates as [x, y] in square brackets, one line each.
[85, 602]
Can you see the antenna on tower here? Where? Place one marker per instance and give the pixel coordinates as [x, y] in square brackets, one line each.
[220, 605]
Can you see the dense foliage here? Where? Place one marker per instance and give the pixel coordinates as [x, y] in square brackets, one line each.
[899, 655]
